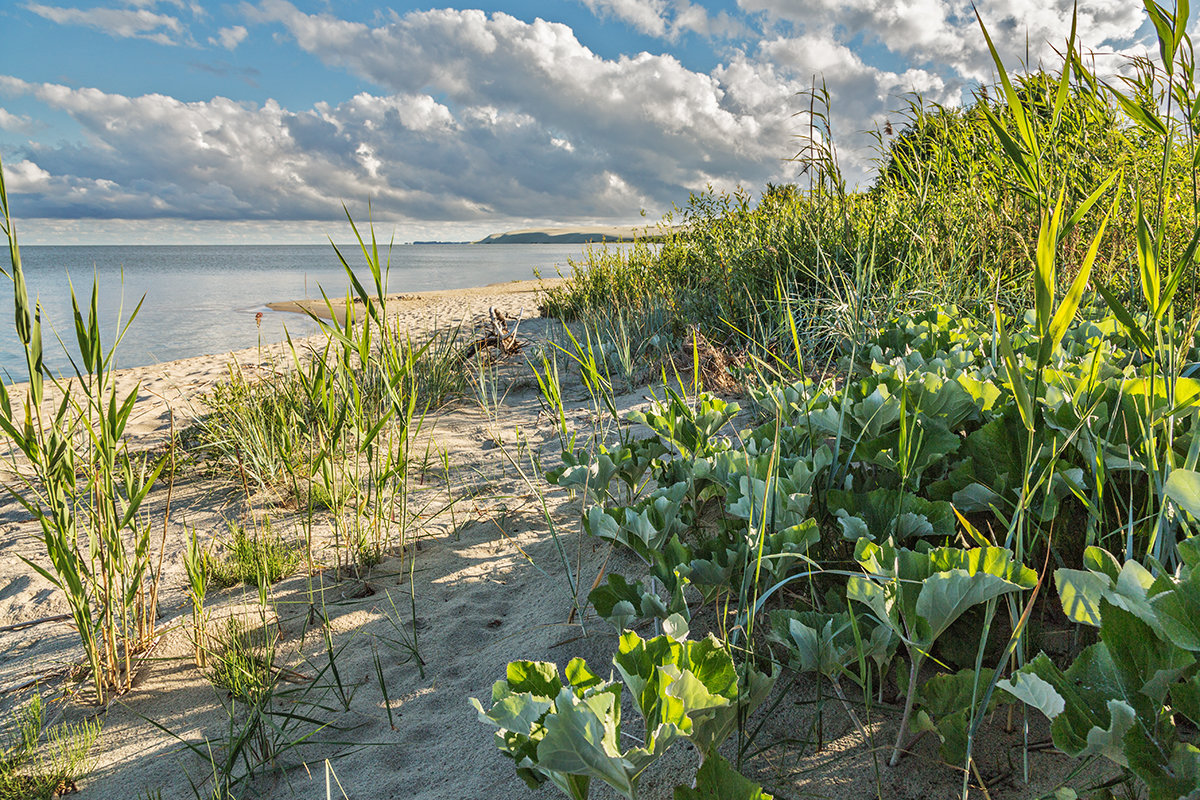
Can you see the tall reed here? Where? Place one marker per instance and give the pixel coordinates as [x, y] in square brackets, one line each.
[80, 481]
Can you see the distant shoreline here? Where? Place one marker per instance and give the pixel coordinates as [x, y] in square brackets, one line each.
[581, 235]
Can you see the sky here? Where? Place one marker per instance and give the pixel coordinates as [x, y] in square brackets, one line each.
[185, 122]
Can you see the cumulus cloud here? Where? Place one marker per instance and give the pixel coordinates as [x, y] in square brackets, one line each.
[25, 177]
[121, 23]
[666, 129]
[155, 156]
[666, 18]
[670, 129]
[475, 117]
[946, 34]
[17, 123]
[229, 38]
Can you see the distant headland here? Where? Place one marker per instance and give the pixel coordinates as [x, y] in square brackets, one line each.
[580, 235]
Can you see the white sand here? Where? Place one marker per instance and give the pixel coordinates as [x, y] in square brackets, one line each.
[490, 587]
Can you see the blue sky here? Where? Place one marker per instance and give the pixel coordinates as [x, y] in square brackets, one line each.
[175, 121]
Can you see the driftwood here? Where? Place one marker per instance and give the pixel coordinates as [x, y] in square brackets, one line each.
[22, 625]
[498, 337]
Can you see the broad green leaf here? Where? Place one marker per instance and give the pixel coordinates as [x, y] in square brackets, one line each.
[853, 528]
[676, 626]
[717, 780]
[946, 703]
[514, 712]
[1033, 690]
[890, 512]
[1174, 778]
[1183, 486]
[1082, 593]
[816, 642]
[1146, 665]
[1109, 742]
[1178, 612]
[1084, 689]
[1097, 559]
[539, 678]
[580, 741]
[975, 497]
[1185, 698]
[946, 595]
[642, 664]
[582, 679]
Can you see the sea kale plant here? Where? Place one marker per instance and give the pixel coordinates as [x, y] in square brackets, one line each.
[570, 733]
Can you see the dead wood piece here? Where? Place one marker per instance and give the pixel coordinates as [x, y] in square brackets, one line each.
[498, 337]
[23, 625]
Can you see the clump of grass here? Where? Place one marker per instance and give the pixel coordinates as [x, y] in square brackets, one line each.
[39, 763]
[243, 660]
[259, 428]
[258, 556]
[438, 376]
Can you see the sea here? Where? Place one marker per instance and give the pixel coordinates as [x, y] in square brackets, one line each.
[203, 300]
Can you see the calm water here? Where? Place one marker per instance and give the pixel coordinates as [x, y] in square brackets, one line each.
[202, 300]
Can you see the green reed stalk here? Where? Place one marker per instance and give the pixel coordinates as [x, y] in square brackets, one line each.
[83, 476]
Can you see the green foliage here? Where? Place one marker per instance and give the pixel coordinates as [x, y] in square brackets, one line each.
[716, 780]
[919, 594]
[40, 763]
[1119, 698]
[692, 427]
[947, 704]
[623, 604]
[242, 660]
[258, 555]
[593, 472]
[570, 733]
[645, 526]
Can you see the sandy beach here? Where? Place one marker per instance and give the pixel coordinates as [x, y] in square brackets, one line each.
[483, 583]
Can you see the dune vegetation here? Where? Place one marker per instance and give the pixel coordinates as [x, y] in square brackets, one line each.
[927, 450]
[974, 400]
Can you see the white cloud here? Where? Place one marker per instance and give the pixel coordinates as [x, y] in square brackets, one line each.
[666, 18]
[416, 158]
[136, 23]
[17, 123]
[485, 117]
[229, 38]
[666, 129]
[945, 34]
[646, 16]
[25, 176]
